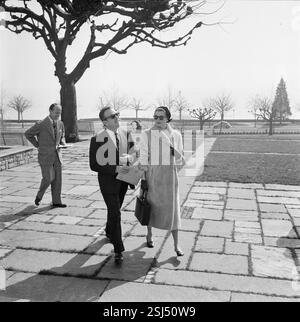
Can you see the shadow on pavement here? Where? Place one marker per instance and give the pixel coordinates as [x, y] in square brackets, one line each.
[83, 278]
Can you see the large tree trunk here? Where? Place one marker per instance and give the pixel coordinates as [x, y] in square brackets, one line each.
[271, 127]
[201, 125]
[69, 111]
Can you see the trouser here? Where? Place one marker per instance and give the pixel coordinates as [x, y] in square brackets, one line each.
[113, 229]
[52, 175]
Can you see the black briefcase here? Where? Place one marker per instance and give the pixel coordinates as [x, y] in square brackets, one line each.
[142, 209]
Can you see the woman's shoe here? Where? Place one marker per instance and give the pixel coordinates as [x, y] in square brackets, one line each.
[179, 252]
[150, 243]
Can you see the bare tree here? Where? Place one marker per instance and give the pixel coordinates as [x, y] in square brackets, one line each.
[203, 115]
[221, 104]
[138, 105]
[114, 99]
[168, 99]
[266, 111]
[180, 104]
[115, 26]
[20, 104]
[254, 105]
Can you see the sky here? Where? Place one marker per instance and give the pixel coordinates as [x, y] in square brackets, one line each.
[247, 55]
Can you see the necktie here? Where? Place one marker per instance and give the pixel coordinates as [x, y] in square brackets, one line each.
[118, 148]
[55, 130]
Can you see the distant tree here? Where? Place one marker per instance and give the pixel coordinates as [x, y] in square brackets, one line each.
[221, 104]
[20, 104]
[138, 105]
[115, 26]
[168, 99]
[266, 111]
[114, 99]
[180, 104]
[254, 105]
[203, 114]
[281, 102]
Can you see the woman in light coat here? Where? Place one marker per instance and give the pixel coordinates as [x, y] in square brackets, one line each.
[161, 155]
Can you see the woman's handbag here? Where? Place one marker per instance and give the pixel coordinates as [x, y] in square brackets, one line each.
[142, 208]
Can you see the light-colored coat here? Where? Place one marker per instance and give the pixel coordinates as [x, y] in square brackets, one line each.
[162, 177]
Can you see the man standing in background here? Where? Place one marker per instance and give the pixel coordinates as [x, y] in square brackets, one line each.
[47, 136]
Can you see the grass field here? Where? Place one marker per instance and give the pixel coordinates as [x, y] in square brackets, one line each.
[255, 167]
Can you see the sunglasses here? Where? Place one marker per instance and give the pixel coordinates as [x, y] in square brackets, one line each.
[113, 116]
[156, 117]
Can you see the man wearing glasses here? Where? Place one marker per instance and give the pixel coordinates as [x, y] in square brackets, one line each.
[106, 149]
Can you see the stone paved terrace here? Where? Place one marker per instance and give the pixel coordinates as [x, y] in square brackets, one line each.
[241, 242]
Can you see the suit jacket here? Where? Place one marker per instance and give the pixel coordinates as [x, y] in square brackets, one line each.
[41, 135]
[103, 158]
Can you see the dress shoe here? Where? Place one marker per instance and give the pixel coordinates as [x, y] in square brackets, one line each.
[59, 205]
[37, 201]
[118, 258]
[179, 252]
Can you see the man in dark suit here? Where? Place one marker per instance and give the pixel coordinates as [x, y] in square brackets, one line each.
[106, 149]
[47, 136]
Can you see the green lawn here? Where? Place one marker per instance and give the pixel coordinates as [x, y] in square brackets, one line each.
[253, 168]
[262, 144]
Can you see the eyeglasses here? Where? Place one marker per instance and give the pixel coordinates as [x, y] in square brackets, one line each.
[160, 117]
[113, 116]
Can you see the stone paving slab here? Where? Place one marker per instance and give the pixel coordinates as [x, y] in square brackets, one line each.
[209, 244]
[275, 216]
[282, 187]
[232, 248]
[242, 298]
[62, 289]
[168, 259]
[271, 208]
[246, 185]
[248, 238]
[234, 193]
[238, 204]
[68, 220]
[241, 215]
[218, 263]
[55, 228]
[275, 228]
[44, 241]
[138, 292]
[71, 211]
[83, 191]
[4, 251]
[272, 262]
[59, 263]
[278, 193]
[226, 282]
[208, 190]
[217, 229]
[204, 213]
[279, 200]
[99, 214]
